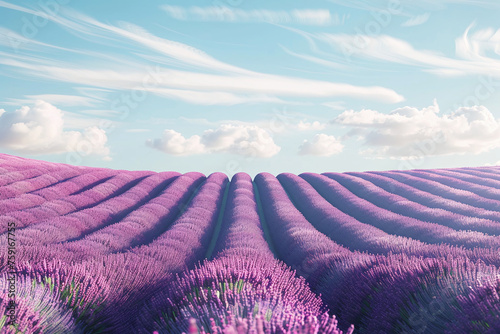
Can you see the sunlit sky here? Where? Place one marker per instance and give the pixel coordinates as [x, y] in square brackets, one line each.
[238, 85]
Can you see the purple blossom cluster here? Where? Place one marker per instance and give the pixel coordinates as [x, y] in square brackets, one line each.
[37, 309]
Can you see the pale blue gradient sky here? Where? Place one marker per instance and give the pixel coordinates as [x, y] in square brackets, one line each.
[235, 85]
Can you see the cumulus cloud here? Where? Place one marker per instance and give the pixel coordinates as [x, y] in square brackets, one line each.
[40, 129]
[246, 140]
[410, 133]
[321, 145]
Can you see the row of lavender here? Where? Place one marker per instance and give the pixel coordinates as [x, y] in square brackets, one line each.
[410, 251]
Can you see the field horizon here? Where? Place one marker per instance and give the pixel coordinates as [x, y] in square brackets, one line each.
[96, 250]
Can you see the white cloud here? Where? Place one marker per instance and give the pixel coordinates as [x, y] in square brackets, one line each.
[409, 133]
[416, 20]
[39, 129]
[198, 87]
[246, 140]
[318, 17]
[172, 142]
[321, 145]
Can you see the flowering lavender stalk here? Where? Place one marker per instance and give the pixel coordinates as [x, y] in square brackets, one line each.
[38, 309]
[264, 296]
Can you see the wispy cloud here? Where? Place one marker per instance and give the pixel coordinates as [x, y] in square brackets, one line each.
[210, 82]
[473, 52]
[416, 20]
[316, 17]
[64, 100]
[375, 5]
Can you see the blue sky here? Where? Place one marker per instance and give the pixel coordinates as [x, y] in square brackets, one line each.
[238, 85]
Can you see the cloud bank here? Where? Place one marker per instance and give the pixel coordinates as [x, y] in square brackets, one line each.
[409, 133]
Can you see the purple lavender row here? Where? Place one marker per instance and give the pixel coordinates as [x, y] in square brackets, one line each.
[297, 242]
[73, 203]
[10, 177]
[135, 276]
[491, 171]
[145, 270]
[77, 224]
[241, 231]
[426, 198]
[400, 205]
[371, 292]
[475, 176]
[345, 230]
[140, 226]
[439, 189]
[17, 163]
[312, 254]
[487, 192]
[27, 185]
[393, 223]
[56, 191]
[190, 235]
[244, 278]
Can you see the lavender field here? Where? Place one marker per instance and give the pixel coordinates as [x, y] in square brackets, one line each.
[94, 250]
